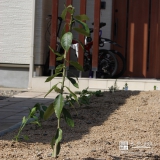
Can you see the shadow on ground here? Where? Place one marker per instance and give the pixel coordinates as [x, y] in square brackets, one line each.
[86, 117]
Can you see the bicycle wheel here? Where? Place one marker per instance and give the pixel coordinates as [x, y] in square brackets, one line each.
[121, 64]
[107, 64]
[87, 62]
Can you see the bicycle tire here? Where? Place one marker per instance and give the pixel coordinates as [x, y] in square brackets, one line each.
[87, 65]
[121, 64]
[107, 64]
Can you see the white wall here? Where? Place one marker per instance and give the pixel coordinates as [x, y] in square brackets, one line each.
[43, 8]
[15, 31]
[14, 77]
[105, 16]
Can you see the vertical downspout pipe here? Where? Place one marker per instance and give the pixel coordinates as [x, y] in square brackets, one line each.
[31, 65]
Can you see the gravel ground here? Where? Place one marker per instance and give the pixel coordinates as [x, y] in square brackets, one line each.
[124, 125]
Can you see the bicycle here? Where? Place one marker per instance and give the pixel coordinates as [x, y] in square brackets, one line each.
[120, 58]
[107, 62]
[108, 65]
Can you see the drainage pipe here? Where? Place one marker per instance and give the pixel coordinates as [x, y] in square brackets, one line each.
[31, 65]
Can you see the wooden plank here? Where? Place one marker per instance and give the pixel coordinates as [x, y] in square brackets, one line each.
[97, 4]
[138, 37]
[158, 46]
[151, 71]
[53, 40]
[83, 4]
[119, 25]
[119, 29]
[68, 2]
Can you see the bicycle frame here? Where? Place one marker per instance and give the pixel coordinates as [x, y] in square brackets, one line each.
[87, 46]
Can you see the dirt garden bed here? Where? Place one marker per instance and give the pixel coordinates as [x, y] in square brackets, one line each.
[122, 125]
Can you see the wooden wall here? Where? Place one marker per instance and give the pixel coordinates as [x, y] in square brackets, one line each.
[136, 27]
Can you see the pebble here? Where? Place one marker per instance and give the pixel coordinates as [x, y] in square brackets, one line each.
[93, 150]
[108, 143]
[39, 154]
[49, 155]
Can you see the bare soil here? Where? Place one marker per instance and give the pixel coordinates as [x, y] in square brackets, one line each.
[120, 125]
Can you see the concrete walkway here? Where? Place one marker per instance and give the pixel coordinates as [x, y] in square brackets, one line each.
[13, 109]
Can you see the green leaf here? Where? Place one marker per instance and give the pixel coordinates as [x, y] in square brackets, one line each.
[41, 114]
[57, 90]
[53, 87]
[56, 53]
[73, 94]
[81, 17]
[73, 81]
[84, 100]
[68, 117]
[58, 105]
[49, 111]
[33, 111]
[73, 75]
[72, 102]
[82, 31]
[57, 138]
[35, 118]
[84, 26]
[51, 77]
[37, 106]
[64, 12]
[63, 31]
[60, 58]
[85, 91]
[71, 10]
[76, 65]
[36, 122]
[59, 68]
[66, 41]
[44, 108]
[24, 120]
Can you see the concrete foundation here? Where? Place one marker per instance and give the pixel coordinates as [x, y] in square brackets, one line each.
[39, 84]
[14, 77]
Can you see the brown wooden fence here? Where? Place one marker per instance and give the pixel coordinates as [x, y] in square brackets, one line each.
[138, 32]
[96, 32]
[137, 25]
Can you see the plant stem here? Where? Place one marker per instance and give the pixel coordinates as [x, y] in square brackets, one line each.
[64, 72]
[21, 128]
[58, 123]
[63, 80]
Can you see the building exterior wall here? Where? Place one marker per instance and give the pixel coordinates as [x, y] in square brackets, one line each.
[14, 77]
[16, 26]
[41, 41]
[15, 31]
